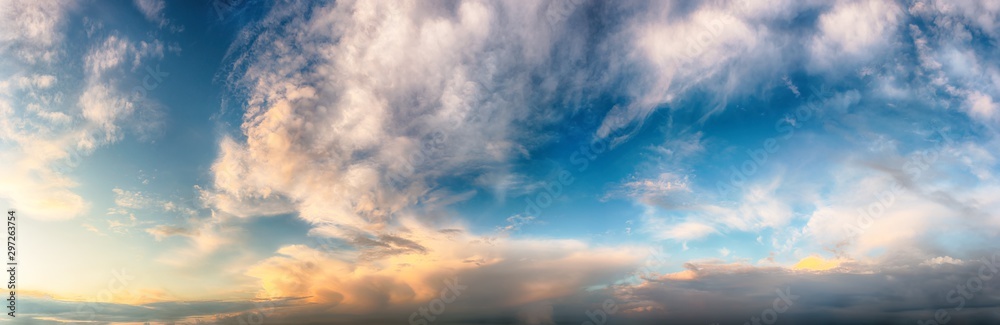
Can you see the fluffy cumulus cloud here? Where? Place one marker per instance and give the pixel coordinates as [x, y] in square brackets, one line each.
[345, 128]
[855, 31]
[546, 270]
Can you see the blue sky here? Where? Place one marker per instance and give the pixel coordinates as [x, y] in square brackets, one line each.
[341, 160]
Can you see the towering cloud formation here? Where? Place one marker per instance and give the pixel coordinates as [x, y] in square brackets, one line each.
[358, 112]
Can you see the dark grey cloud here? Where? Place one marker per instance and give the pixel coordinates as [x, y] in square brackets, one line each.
[724, 294]
[31, 308]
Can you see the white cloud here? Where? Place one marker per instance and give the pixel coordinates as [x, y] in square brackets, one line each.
[45, 132]
[687, 231]
[153, 10]
[131, 200]
[679, 55]
[92, 229]
[982, 107]
[163, 231]
[32, 29]
[514, 223]
[361, 134]
[894, 205]
[544, 269]
[960, 16]
[942, 260]
[668, 191]
[206, 237]
[854, 31]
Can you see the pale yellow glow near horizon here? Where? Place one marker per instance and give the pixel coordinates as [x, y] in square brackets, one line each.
[61, 260]
[816, 263]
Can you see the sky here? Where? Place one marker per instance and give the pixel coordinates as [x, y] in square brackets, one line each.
[502, 162]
